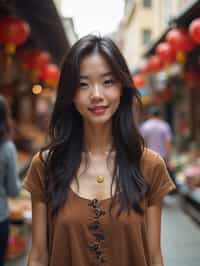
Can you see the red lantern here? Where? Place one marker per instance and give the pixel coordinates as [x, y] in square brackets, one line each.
[179, 40]
[50, 74]
[138, 81]
[13, 32]
[165, 52]
[194, 30]
[155, 63]
[35, 59]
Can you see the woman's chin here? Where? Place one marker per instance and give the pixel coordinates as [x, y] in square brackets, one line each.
[105, 119]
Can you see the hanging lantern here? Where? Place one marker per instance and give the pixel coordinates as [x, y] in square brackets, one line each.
[35, 59]
[13, 32]
[138, 81]
[155, 63]
[180, 42]
[50, 74]
[165, 52]
[194, 30]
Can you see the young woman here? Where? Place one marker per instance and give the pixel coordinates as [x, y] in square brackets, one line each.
[9, 179]
[96, 191]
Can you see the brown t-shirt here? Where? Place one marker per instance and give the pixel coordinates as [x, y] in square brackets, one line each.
[85, 234]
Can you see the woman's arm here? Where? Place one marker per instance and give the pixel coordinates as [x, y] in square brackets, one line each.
[154, 234]
[38, 255]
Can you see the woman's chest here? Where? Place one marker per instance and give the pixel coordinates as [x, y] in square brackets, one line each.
[95, 213]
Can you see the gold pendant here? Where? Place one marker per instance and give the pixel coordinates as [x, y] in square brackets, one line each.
[100, 179]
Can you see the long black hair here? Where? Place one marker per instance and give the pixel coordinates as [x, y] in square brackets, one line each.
[5, 122]
[66, 130]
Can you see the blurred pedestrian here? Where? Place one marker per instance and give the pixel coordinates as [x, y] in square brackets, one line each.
[157, 135]
[96, 192]
[9, 179]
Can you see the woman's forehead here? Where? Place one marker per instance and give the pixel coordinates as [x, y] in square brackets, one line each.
[95, 63]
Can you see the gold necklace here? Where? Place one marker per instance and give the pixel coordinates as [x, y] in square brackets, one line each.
[99, 178]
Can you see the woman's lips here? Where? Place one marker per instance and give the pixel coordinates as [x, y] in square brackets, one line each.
[98, 110]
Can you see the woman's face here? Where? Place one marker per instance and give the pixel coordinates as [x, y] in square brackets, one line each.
[98, 95]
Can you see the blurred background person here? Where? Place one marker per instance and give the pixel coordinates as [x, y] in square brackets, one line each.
[9, 179]
[157, 135]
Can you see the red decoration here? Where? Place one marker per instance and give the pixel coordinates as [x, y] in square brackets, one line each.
[138, 81]
[180, 40]
[194, 30]
[35, 59]
[13, 30]
[155, 63]
[50, 74]
[164, 50]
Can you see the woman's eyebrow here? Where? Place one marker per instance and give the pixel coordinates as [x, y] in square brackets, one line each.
[84, 77]
[101, 75]
[107, 74]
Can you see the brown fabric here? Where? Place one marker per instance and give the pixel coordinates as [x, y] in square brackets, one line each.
[85, 234]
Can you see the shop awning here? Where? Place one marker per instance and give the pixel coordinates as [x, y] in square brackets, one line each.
[47, 31]
[183, 19]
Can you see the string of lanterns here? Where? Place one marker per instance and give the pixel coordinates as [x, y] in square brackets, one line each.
[15, 31]
[178, 42]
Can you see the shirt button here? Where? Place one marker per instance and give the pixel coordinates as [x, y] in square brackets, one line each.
[100, 260]
[94, 226]
[99, 237]
[99, 212]
[93, 203]
[94, 246]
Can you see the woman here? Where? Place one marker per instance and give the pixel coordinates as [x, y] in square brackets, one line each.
[96, 192]
[9, 179]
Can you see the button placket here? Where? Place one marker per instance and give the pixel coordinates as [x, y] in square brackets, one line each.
[95, 227]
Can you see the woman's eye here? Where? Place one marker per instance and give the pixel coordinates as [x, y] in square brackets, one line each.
[83, 85]
[109, 82]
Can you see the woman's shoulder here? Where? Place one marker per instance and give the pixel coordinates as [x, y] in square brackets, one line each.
[150, 160]
[38, 160]
[150, 156]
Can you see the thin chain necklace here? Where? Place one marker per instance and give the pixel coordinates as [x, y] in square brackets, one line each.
[100, 178]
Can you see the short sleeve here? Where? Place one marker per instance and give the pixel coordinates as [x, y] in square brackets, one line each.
[161, 182]
[34, 179]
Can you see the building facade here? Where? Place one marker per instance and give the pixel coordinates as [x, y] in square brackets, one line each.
[143, 22]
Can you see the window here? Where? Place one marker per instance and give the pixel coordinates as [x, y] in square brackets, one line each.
[147, 3]
[146, 36]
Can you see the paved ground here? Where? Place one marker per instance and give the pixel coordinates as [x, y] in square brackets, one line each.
[180, 238]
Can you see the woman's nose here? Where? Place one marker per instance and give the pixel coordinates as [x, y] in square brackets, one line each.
[96, 92]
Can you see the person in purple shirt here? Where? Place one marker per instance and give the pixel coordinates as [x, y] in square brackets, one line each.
[157, 133]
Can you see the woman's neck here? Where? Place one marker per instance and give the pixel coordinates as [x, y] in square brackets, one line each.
[98, 138]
